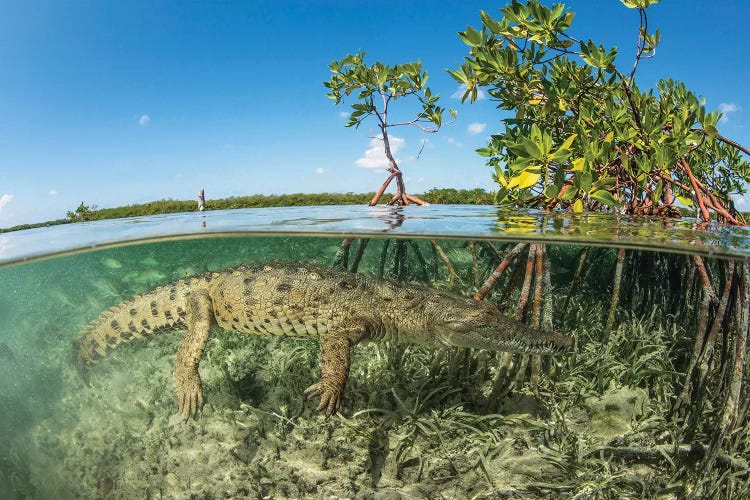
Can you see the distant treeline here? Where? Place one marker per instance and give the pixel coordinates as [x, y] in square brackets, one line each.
[84, 212]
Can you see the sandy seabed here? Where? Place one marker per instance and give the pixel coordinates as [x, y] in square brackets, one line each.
[258, 438]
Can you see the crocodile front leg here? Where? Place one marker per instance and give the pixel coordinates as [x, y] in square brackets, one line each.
[187, 380]
[334, 362]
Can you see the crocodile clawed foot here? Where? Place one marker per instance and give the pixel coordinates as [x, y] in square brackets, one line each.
[190, 395]
[330, 398]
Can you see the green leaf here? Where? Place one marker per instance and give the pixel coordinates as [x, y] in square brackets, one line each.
[551, 191]
[471, 37]
[568, 194]
[656, 194]
[639, 4]
[603, 182]
[492, 25]
[564, 152]
[559, 178]
[520, 164]
[597, 57]
[605, 197]
[584, 179]
[578, 206]
[536, 134]
[710, 131]
[568, 142]
[500, 195]
[486, 152]
[531, 149]
[525, 179]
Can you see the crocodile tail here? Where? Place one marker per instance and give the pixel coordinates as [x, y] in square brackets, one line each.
[144, 315]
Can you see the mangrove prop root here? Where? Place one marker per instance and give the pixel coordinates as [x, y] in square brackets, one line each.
[708, 346]
[536, 360]
[401, 188]
[398, 266]
[700, 334]
[547, 284]
[615, 290]
[383, 258]
[707, 199]
[379, 194]
[701, 369]
[520, 373]
[415, 199]
[538, 271]
[714, 203]
[690, 284]
[659, 453]
[420, 259]
[576, 278]
[341, 259]
[490, 283]
[358, 252]
[441, 253]
[526, 287]
[698, 195]
[491, 248]
[499, 384]
[736, 368]
[510, 285]
[474, 265]
[434, 260]
[729, 418]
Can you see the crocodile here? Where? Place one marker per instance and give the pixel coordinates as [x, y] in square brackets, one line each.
[337, 307]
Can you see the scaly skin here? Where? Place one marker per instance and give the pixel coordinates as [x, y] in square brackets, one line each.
[304, 300]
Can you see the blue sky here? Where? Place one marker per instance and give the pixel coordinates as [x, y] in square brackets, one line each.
[113, 103]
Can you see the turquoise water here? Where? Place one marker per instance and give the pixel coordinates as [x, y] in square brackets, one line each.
[415, 422]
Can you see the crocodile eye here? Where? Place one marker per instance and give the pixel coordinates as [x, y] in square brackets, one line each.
[460, 325]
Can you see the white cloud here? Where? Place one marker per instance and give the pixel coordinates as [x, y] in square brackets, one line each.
[321, 170]
[344, 114]
[52, 192]
[459, 93]
[144, 120]
[375, 157]
[727, 107]
[476, 128]
[4, 200]
[454, 142]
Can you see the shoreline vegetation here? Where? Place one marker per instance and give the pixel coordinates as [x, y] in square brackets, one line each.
[88, 213]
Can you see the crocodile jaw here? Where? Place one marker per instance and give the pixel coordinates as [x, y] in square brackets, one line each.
[523, 341]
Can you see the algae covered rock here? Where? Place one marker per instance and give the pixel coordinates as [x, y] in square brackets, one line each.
[612, 413]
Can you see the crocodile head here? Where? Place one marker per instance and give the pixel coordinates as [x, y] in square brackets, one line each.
[481, 325]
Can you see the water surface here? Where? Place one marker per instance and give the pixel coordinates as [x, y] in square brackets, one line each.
[434, 221]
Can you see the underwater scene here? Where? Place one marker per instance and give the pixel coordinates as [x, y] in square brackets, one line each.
[478, 369]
